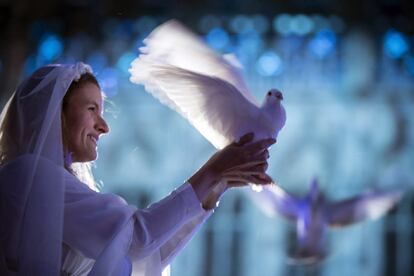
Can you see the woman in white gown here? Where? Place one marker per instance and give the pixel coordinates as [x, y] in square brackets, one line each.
[54, 222]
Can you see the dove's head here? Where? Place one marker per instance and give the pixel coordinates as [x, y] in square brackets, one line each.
[274, 109]
[273, 96]
[273, 100]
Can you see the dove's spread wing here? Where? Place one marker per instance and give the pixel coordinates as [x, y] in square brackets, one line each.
[274, 200]
[213, 106]
[367, 206]
[172, 43]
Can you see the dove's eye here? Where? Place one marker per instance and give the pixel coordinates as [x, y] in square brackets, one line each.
[269, 93]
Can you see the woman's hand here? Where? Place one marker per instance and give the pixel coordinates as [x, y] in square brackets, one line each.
[237, 164]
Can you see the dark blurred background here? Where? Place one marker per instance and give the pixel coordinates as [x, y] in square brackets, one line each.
[25, 24]
[347, 73]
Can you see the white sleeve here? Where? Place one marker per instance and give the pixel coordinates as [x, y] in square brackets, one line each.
[167, 223]
[91, 219]
[155, 263]
[182, 236]
[99, 224]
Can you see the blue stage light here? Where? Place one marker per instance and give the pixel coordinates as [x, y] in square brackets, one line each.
[323, 43]
[30, 65]
[209, 22]
[409, 64]
[108, 79]
[301, 25]
[66, 59]
[97, 60]
[249, 43]
[320, 22]
[395, 44]
[124, 62]
[50, 47]
[217, 38]
[144, 25]
[260, 23]
[282, 24]
[337, 24]
[125, 28]
[241, 24]
[269, 64]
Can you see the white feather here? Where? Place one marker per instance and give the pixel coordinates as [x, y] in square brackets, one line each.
[172, 43]
[183, 73]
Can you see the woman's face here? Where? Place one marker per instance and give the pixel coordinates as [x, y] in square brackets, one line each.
[83, 123]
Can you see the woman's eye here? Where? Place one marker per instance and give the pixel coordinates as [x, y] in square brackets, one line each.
[92, 108]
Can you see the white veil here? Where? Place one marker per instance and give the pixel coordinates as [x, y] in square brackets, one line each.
[37, 195]
[31, 204]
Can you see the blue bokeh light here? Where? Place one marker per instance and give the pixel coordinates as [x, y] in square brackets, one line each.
[30, 65]
[209, 22]
[138, 43]
[217, 38]
[50, 47]
[241, 24]
[66, 59]
[97, 60]
[249, 44]
[79, 45]
[320, 22]
[323, 43]
[301, 25]
[125, 28]
[144, 25]
[281, 24]
[260, 23]
[108, 79]
[337, 24]
[409, 64]
[269, 64]
[124, 62]
[395, 44]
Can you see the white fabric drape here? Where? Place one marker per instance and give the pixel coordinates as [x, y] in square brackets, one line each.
[43, 206]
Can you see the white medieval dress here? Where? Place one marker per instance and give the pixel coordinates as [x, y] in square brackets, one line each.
[51, 222]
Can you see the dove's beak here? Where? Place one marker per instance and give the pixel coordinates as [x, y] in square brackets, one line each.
[279, 95]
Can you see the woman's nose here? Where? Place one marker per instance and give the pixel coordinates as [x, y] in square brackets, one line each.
[102, 126]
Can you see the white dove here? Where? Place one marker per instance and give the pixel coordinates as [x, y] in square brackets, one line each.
[313, 214]
[207, 89]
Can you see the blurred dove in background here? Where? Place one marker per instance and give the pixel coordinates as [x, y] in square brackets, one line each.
[313, 214]
[207, 89]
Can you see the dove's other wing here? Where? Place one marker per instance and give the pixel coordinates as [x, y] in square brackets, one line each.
[172, 43]
[213, 106]
[366, 206]
[274, 200]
